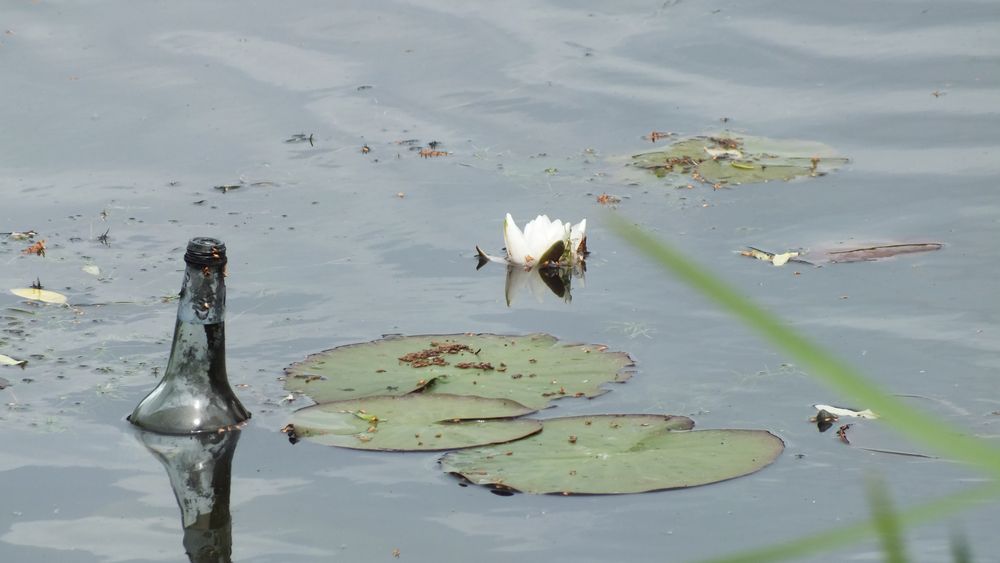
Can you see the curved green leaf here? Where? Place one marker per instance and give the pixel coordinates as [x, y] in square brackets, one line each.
[418, 422]
[615, 454]
[532, 369]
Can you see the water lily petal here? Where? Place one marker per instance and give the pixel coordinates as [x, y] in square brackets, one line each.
[517, 246]
[577, 240]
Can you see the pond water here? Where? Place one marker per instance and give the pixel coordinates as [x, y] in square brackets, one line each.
[122, 117]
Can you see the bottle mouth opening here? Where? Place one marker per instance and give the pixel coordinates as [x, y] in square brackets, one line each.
[205, 251]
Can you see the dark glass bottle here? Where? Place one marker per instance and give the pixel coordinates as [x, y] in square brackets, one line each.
[194, 394]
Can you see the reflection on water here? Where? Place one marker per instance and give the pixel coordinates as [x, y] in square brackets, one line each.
[200, 471]
[540, 281]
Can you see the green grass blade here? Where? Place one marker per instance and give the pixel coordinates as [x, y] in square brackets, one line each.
[886, 522]
[949, 441]
[839, 537]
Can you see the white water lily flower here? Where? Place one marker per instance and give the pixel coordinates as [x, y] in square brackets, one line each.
[545, 242]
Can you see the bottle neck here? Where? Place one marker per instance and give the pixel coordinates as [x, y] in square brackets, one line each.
[198, 351]
[203, 296]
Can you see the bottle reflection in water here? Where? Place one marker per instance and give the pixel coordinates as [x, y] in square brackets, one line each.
[200, 470]
[194, 395]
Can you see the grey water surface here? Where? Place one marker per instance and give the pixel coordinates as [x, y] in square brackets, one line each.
[121, 118]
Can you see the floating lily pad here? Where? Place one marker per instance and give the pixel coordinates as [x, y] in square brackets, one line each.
[417, 422]
[615, 454]
[730, 160]
[531, 369]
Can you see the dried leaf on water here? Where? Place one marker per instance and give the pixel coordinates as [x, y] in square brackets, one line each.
[43, 295]
[8, 361]
[776, 259]
[841, 411]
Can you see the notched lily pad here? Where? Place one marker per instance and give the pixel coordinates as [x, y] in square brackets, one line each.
[726, 159]
[615, 454]
[530, 369]
[417, 422]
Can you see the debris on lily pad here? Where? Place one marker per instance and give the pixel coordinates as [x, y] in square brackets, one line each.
[8, 361]
[615, 454]
[43, 295]
[415, 422]
[530, 369]
[726, 159]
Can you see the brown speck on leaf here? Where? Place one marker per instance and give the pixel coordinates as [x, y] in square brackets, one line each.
[485, 366]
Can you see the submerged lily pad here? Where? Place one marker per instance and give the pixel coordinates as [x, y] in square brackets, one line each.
[616, 454]
[879, 251]
[730, 160]
[417, 422]
[531, 369]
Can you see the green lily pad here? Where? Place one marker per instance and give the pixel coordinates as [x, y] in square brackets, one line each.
[615, 454]
[531, 369]
[731, 160]
[417, 422]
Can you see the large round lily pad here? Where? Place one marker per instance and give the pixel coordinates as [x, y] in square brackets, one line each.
[531, 369]
[417, 422]
[615, 454]
[726, 159]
